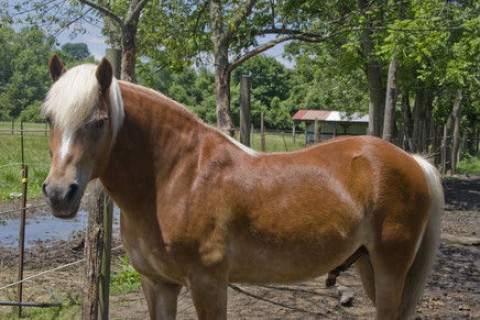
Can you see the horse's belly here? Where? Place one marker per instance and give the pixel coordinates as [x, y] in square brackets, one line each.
[264, 262]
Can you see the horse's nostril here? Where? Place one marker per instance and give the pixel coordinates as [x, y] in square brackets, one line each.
[44, 189]
[71, 191]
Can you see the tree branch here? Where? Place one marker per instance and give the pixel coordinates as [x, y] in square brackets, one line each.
[103, 10]
[135, 13]
[257, 51]
[292, 35]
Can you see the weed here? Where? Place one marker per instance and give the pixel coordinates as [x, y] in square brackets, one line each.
[126, 279]
[469, 165]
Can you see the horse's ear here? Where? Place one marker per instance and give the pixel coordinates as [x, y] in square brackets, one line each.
[56, 67]
[104, 74]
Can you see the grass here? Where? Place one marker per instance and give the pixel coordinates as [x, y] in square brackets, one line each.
[36, 156]
[277, 142]
[469, 165]
[70, 309]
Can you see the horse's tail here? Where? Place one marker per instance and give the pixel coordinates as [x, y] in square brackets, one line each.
[425, 256]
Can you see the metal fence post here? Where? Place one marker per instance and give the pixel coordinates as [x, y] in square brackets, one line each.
[21, 243]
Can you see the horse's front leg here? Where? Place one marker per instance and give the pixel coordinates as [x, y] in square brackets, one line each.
[161, 297]
[209, 294]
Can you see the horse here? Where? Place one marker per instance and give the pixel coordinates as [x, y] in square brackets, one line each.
[199, 209]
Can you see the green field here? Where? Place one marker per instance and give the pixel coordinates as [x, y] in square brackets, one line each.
[277, 142]
[35, 156]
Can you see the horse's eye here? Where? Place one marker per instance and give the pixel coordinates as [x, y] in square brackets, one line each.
[100, 123]
[49, 121]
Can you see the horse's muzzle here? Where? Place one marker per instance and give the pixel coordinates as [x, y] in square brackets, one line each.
[62, 198]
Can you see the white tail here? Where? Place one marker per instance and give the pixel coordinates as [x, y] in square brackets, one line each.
[425, 257]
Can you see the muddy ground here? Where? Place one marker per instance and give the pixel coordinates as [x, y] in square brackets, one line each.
[453, 291]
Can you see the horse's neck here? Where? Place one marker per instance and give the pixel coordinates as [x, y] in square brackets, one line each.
[154, 137]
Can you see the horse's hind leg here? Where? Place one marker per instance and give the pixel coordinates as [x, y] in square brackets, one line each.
[390, 271]
[161, 297]
[365, 269]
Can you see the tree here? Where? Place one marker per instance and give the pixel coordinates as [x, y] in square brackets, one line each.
[79, 51]
[26, 82]
[24, 76]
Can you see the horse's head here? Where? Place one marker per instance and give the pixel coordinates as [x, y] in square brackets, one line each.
[84, 109]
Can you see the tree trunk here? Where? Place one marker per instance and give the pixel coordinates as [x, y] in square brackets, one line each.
[443, 152]
[390, 102]
[408, 122]
[220, 42]
[428, 129]
[456, 131]
[245, 110]
[129, 51]
[419, 120]
[222, 86]
[373, 72]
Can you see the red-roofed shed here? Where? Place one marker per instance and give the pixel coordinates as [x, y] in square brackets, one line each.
[331, 123]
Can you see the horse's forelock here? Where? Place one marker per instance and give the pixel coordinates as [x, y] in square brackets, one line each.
[71, 100]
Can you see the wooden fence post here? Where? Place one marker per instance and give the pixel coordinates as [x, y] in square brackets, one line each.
[316, 132]
[251, 134]
[13, 125]
[306, 134]
[104, 288]
[293, 134]
[93, 251]
[245, 110]
[104, 208]
[262, 133]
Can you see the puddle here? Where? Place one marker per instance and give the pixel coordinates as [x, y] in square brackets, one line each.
[44, 227]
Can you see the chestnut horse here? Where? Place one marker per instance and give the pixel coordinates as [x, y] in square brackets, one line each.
[200, 210]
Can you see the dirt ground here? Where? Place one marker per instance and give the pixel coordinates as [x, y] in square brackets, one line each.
[453, 291]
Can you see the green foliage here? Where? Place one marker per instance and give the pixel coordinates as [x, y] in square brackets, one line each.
[193, 88]
[321, 81]
[469, 165]
[126, 279]
[28, 79]
[24, 76]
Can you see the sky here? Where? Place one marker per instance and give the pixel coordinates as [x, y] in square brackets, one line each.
[93, 37]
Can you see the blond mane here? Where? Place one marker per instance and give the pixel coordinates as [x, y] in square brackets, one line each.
[71, 100]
